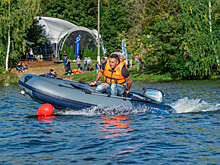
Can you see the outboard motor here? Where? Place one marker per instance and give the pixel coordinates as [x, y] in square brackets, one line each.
[154, 95]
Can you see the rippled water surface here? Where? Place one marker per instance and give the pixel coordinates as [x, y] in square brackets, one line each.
[117, 135]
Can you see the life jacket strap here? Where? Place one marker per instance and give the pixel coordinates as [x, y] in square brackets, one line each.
[116, 80]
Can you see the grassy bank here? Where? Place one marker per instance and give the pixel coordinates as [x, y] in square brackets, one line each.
[136, 75]
[150, 73]
[8, 77]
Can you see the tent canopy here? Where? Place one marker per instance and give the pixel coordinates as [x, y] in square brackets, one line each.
[55, 29]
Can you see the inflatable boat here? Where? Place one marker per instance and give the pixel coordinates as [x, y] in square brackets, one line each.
[67, 94]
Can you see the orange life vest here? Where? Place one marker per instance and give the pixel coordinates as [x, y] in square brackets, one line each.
[114, 76]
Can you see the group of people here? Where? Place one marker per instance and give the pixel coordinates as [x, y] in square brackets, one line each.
[21, 67]
[87, 63]
[31, 55]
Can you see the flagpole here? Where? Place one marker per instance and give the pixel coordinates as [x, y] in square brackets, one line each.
[98, 57]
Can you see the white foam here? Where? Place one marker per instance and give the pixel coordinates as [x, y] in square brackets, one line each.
[106, 111]
[186, 105]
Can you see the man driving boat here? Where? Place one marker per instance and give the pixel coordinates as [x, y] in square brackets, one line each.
[116, 77]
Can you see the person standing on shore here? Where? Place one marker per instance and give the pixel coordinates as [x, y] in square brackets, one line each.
[65, 64]
[60, 54]
[78, 61]
[69, 70]
[31, 54]
[85, 63]
[64, 54]
[97, 66]
[89, 61]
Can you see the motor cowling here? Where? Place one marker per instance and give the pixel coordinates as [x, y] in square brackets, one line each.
[154, 95]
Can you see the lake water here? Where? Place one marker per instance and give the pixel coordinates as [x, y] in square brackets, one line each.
[126, 136]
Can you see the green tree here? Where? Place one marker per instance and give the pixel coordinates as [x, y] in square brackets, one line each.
[71, 52]
[175, 35]
[197, 44]
[22, 13]
[79, 12]
[84, 13]
[34, 34]
[68, 52]
[113, 23]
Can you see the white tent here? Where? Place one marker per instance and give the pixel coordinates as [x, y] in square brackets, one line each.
[57, 30]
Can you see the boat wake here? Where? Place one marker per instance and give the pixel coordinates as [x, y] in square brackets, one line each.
[107, 111]
[186, 105]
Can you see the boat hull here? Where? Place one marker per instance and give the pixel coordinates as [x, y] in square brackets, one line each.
[61, 94]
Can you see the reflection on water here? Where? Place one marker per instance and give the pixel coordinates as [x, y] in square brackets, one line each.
[126, 151]
[115, 126]
[118, 127]
[46, 118]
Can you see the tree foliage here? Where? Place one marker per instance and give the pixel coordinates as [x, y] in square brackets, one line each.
[176, 36]
[113, 23]
[85, 13]
[21, 18]
[80, 12]
[173, 34]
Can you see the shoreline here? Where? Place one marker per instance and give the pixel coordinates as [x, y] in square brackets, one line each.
[146, 75]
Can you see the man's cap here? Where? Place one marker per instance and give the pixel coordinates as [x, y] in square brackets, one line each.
[120, 55]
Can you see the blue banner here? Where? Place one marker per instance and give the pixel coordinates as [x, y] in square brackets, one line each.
[124, 50]
[77, 45]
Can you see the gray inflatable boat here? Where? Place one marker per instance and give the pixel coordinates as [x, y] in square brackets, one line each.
[76, 95]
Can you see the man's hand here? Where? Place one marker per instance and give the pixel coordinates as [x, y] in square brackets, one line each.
[100, 73]
[126, 91]
[92, 83]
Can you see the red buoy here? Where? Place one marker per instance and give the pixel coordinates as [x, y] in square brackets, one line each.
[45, 110]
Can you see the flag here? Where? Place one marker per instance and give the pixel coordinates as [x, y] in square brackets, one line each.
[77, 45]
[124, 50]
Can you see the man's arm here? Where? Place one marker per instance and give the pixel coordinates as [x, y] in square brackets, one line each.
[99, 75]
[129, 83]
